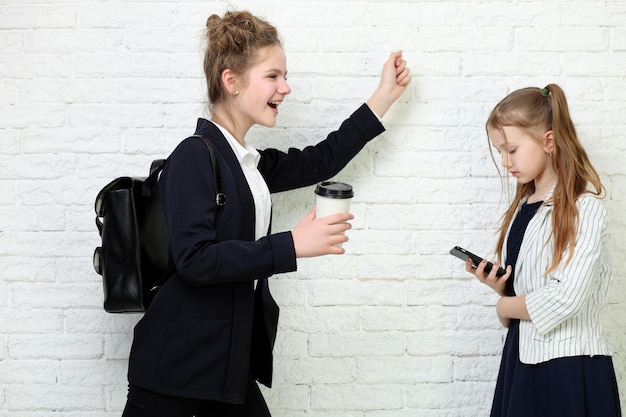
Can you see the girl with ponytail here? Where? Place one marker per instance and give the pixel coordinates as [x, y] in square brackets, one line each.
[553, 240]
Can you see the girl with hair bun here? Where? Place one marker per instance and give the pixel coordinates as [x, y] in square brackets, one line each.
[553, 238]
[208, 335]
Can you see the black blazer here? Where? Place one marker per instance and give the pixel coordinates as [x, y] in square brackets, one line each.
[208, 327]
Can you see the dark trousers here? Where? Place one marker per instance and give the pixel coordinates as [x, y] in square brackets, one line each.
[142, 403]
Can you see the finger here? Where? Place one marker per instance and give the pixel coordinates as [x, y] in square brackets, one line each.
[405, 73]
[336, 242]
[338, 218]
[494, 271]
[469, 267]
[334, 250]
[338, 238]
[394, 58]
[506, 276]
[405, 82]
[480, 270]
[400, 66]
[338, 228]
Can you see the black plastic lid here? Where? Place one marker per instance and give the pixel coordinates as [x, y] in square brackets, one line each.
[333, 189]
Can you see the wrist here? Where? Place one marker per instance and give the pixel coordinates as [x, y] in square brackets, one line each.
[500, 307]
[378, 104]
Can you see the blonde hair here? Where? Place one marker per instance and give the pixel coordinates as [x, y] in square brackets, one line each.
[536, 111]
[233, 42]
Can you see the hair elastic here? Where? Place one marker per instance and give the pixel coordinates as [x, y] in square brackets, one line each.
[545, 91]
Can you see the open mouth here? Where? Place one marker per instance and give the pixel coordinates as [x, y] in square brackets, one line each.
[273, 104]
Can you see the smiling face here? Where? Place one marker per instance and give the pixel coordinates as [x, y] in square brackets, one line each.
[263, 88]
[525, 157]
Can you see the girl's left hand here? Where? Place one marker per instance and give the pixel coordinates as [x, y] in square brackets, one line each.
[498, 284]
[317, 236]
[394, 79]
[396, 75]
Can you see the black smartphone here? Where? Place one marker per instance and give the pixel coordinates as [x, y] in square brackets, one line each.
[464, 255]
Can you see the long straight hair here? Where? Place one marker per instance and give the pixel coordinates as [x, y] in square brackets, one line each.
[536, 111]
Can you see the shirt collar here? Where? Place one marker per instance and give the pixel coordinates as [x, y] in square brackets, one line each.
[242, 153]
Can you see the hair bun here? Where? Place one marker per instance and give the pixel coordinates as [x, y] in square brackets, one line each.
[213, 23]
[236, 30]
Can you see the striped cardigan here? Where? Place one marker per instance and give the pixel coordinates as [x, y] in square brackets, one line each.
[564, 306]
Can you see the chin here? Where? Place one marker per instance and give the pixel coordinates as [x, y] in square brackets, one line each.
[268, 123]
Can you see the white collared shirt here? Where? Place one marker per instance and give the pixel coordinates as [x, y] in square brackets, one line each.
[248, 158]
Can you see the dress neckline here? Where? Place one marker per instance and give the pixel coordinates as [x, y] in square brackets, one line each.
[532, 205]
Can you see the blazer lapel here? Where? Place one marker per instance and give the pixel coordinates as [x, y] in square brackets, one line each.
[214, 134]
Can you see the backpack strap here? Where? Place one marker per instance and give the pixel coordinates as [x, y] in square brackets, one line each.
[220, 197]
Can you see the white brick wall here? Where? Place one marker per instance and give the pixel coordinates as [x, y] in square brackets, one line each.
[395, 328]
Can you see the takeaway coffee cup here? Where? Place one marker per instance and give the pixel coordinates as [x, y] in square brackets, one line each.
[332, 197]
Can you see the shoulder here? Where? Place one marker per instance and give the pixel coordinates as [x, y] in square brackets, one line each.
[591, 208]
[194, 144]
[591, 202]
[190, 144]
[190, 149]
[188, 156]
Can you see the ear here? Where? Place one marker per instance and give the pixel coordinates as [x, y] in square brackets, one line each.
[229, 81]
[548, 142]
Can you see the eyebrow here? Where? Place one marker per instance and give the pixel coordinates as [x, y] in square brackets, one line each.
[278, 70]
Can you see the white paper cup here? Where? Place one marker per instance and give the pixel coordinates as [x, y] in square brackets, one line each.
[332, 197]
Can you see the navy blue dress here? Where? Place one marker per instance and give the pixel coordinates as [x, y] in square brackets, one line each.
[578, 386]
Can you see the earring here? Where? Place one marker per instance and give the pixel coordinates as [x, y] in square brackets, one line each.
[236, 92]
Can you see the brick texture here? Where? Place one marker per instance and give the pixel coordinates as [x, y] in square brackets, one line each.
[395, 328]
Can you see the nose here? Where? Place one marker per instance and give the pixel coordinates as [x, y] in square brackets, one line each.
[506, 161]
[284, 88]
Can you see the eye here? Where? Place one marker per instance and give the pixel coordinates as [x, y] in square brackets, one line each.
[273, 76]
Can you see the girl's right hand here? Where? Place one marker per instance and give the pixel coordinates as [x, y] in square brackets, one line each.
[498, 284]
[316, 236]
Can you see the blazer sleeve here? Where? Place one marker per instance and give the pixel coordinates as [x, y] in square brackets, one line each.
[570, 286]
[299, 168]
[187, 188]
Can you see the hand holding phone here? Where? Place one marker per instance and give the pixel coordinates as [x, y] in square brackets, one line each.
[464, 255]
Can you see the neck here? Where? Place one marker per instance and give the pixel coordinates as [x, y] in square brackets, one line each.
[543, 186]
[225, 119]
